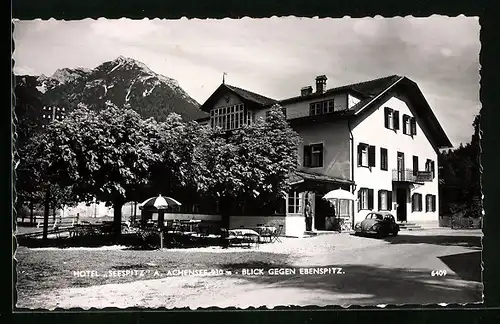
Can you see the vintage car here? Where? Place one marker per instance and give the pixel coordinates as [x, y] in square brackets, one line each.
[378, 223]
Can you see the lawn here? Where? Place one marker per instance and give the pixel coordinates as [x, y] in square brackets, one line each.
[43, 270]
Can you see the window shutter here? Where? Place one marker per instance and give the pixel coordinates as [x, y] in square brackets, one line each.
[413, 203]
[383, 158]
[427, 203]
[396, 119]
[307, 155]
[432, 169]
[415, 165]
[433, 203]
[379, 200]
[359, 200]
[371, 156]
[389, 200]
[320, 149]
[413, 126]
[419, 202]
[386, 117]
[370, 199]
[360, 149]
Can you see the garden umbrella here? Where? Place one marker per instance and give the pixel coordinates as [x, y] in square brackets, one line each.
[339, 194]
[159, 203]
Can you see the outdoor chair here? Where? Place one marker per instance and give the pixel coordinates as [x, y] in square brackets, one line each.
[275, 237]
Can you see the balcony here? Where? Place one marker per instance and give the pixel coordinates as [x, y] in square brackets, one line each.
[411, 176]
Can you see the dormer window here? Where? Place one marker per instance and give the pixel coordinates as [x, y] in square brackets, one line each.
[230, 117]
[321, 107]
[391, 118]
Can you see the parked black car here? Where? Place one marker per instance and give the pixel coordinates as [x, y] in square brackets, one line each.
[378, 223]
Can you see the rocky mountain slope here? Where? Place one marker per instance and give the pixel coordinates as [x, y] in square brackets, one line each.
[124, 81]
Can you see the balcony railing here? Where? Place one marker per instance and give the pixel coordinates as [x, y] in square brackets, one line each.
[412, 176]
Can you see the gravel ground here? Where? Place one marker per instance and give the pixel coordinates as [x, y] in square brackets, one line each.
[374, 272]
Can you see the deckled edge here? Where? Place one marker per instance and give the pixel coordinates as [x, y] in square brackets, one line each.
[14, 164]
[428, 306]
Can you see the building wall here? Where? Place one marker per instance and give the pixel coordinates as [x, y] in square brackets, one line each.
[252, 221]
[301, 109]
[233, 100]
[336, 148]
[352, 101]
[372, 131]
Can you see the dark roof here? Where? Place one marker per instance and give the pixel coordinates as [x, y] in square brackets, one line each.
[366, 90]
[252, 96]
[244, 94]
[300, 175]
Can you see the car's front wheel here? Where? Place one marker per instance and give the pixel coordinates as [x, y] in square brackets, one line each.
[395, 233]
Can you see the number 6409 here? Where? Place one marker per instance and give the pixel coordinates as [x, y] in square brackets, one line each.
[438, 273]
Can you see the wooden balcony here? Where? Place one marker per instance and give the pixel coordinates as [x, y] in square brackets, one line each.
[411, 176]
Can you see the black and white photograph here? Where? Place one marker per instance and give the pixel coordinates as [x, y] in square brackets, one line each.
[282, 161]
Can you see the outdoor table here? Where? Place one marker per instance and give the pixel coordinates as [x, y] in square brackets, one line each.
[242, 233]
[266, 229]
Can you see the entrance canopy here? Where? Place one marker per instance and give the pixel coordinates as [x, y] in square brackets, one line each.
[309, 181]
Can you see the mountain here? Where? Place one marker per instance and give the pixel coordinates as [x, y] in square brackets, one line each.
[124, 82]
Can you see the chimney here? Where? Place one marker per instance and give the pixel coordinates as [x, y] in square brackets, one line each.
[321, 83]
[305, 91]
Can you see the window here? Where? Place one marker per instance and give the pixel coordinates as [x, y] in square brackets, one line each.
[344, 207]
[430, 166]
[321, 107]
[383, 159]
[391, 118]
[366, 155]
[416, 202]
[430, 203]
[295, 203]
[415, 165]
[384, 200]
[409, 125]
[231, 117]
[365, 199]
[313, 155]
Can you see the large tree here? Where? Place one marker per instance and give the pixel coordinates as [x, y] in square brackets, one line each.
[254, 162]
[103, 155]
[460, 185]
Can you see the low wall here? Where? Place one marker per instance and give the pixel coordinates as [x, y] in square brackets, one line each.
[178, 216]
[296, 225]
[252, 221]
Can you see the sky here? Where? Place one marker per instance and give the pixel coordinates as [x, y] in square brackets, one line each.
[275, 56]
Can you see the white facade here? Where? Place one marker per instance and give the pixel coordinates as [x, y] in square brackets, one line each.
[371, 130]
[379, 188]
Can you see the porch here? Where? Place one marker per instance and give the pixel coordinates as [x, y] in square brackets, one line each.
[312, 187]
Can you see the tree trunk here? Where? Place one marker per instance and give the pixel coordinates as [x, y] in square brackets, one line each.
[46, 212]
[54, 213]
[31, 212]
[225, 211]
[117, 217]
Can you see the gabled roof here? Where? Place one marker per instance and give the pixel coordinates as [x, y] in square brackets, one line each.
[367, 91]
[244, 94]
[363, 90]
